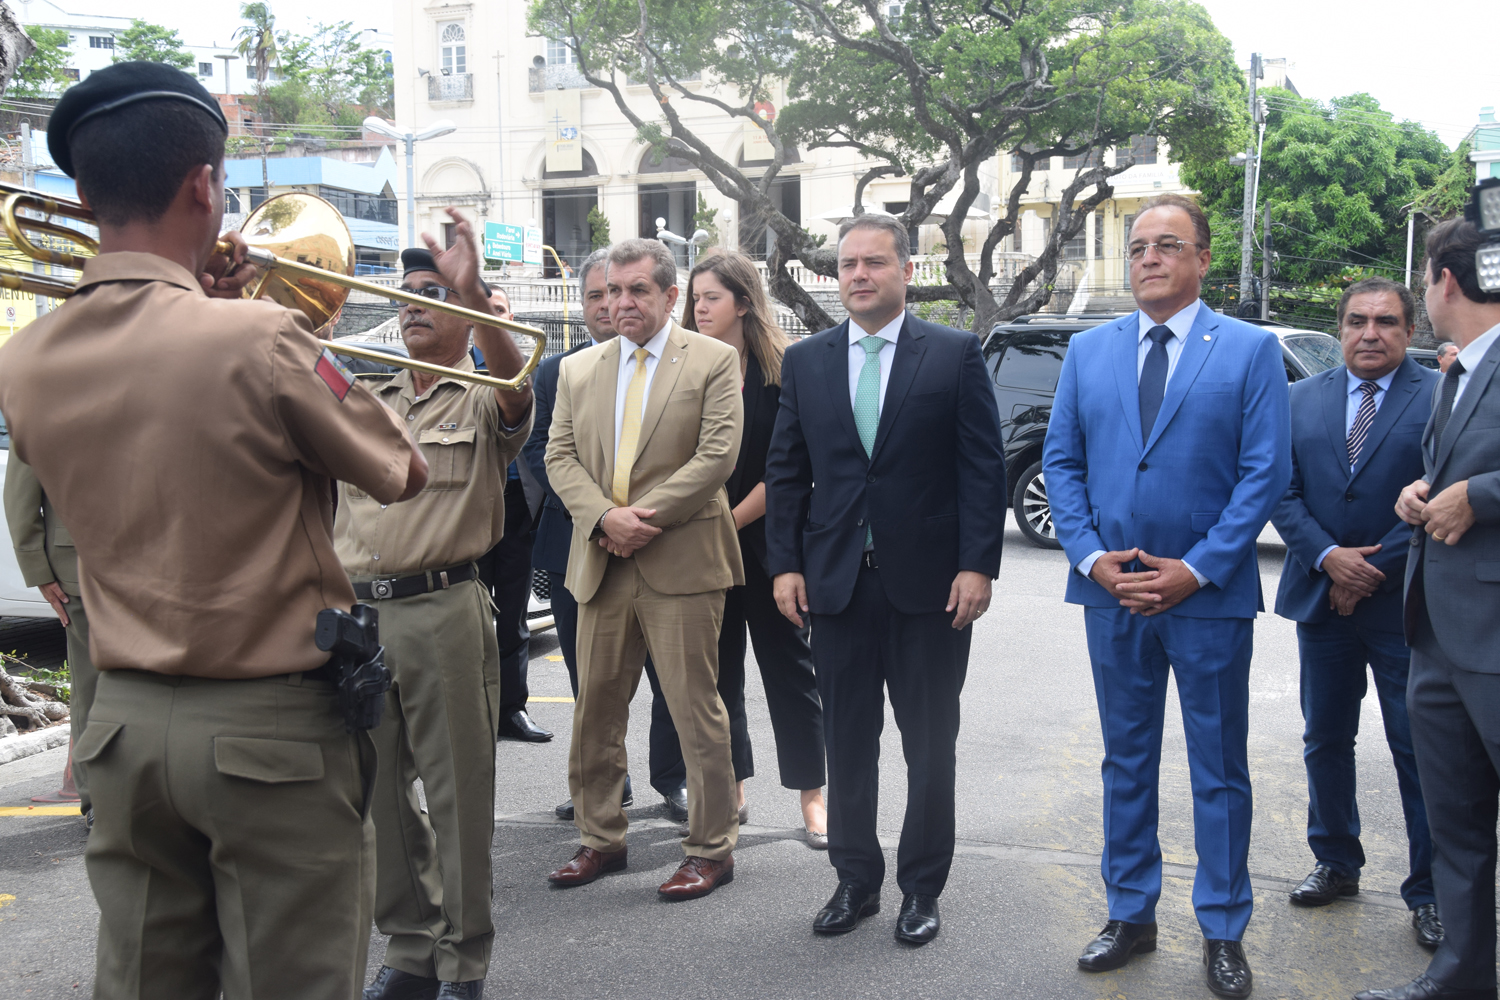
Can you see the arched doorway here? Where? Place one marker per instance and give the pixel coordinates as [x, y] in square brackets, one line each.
[565, 216]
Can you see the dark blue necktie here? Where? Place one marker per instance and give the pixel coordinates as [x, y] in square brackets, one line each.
[1153, 379]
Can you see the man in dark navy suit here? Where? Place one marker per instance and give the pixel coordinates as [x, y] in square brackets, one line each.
[882, 521]
[554, 533]
[1356, 442]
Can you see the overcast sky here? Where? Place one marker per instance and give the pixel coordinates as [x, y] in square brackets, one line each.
[1433, 62]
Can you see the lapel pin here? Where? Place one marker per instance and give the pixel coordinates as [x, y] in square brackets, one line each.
[1207, 337]
[674, 361]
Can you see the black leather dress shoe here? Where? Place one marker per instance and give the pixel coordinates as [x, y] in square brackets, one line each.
[677, 805]
[518, 726]
[845, 909]
[472, 990]
[1116, 943]
[564, 810]
[1424, 919]
[1423, 988]
[1323, 886]
[918, 922]
[1228, 970]
[393, 984]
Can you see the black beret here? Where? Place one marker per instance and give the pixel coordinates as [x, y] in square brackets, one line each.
[114, 87]
[421, 259]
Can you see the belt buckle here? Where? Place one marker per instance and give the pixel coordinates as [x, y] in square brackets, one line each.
[382, 589]
[868, 558]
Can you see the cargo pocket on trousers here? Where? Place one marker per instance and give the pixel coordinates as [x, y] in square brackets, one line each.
[273, 762]
[96, 736]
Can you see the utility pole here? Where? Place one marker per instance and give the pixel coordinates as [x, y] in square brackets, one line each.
[28, 179]
[1265, 264]
[1247, 217]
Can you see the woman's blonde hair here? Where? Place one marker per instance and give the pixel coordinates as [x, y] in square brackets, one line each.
[737, 273]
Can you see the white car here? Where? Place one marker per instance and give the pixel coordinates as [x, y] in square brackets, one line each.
[16, 599]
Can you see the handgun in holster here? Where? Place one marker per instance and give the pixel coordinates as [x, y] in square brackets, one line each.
[353, 637]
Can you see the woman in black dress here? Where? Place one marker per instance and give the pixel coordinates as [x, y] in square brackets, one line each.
[725, 300]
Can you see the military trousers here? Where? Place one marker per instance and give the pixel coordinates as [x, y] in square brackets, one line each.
[624, 622]
[229, 849]
[433, 889]
[84, 679]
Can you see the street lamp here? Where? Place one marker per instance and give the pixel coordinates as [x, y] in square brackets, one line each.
[382, 127]
[692, 243]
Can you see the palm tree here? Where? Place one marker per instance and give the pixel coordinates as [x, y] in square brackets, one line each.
[258, 48]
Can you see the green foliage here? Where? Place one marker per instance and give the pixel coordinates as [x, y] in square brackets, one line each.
[41, 75]
[257, 39]
[1337, 177]
[330, 78]
[706, 219]
[598, 230]
[1448, 195]
[147, 42]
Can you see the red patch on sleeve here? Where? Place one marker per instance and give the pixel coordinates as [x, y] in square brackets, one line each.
[334, 374]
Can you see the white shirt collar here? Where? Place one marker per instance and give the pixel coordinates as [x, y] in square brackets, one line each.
[1383, 381]
[1480, 346]
[1180, 324]
[655, 346]
[891, 331]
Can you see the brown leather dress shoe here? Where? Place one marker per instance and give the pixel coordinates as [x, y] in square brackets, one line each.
[697, 877]
[587, 865]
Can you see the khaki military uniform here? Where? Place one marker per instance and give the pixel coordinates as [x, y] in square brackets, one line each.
[189, 443]
[45, 554]
[433, 869]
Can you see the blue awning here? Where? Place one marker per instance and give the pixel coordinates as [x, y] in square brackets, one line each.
[374, 235]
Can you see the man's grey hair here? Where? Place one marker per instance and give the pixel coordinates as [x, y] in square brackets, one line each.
[885, 223]
[664, 264]
[596, 259]
[1445, 347]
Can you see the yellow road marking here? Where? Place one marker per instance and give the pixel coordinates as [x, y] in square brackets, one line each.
[568, 701]
[46, 810]
[6, 899]
[555, 659]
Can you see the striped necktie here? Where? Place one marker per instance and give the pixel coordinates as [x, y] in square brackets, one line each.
[1363, 418]
[630, 430]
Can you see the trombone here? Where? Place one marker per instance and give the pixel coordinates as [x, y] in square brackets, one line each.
[300, 244]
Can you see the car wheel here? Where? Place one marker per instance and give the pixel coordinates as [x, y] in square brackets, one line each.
[1033, 513]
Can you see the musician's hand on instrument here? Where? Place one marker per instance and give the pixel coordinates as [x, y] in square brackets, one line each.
[225, 277]
[626, 530]
[459, 263]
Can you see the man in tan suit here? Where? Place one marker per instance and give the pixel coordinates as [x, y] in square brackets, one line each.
[645, 431]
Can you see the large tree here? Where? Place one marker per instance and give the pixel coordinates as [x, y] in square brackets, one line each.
[147, 42]
[331, 78]
[1339, 179]
[934, 95]
[42, 73]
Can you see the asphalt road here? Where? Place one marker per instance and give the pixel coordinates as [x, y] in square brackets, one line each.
[1023, 899]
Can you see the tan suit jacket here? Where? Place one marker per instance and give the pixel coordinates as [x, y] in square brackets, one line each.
[690, 437]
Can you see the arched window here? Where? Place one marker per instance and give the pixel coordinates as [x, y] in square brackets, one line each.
[454, 60]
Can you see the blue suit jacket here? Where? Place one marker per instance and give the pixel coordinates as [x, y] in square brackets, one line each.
[554, 532]
[1328, 504]
[933, 492]
[1202, 486]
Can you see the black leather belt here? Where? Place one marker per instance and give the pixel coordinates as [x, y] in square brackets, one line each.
[869, 561]
[417, 583]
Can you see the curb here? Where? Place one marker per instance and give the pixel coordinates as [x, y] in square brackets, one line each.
[13, 748]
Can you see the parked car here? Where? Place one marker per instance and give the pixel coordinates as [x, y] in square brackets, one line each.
[1024, 358]
[1423, 357]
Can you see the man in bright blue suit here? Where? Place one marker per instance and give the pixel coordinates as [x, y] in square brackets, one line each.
[1167, 449]
[1356, 442]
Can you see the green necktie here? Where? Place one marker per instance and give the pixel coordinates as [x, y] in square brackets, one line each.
[867, 403]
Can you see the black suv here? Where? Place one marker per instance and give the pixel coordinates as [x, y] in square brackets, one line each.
[1024, 358]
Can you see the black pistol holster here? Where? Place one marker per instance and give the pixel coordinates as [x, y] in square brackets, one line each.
[353, 637]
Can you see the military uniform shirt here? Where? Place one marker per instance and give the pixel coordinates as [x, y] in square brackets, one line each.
[460, 514]
[188, 444]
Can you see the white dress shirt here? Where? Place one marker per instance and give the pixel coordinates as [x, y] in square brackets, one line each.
[887, 333]
[1181, 324]
[654, 348]
[1352, 399]
[1470, 357]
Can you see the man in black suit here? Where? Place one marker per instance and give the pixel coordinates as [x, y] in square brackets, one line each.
[882, 522]
[1356, 441]
[1453, 623]
[554, 534]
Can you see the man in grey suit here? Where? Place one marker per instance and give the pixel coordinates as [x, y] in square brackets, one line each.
[1453, 623]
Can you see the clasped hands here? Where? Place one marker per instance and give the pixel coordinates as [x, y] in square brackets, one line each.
[1149, 592]
[1445, 517]
[626, 530]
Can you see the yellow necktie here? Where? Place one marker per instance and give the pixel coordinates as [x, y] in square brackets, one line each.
[630, 430]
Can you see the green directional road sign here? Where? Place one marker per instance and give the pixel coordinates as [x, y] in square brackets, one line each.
[513, 244]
